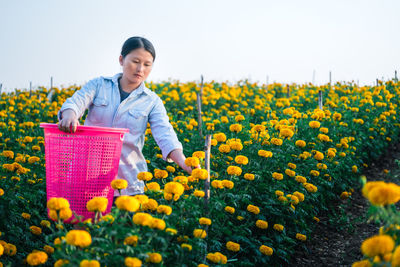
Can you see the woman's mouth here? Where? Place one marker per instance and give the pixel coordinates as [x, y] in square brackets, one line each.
[137, 75]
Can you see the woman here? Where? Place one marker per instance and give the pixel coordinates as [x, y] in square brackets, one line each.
[123, 101]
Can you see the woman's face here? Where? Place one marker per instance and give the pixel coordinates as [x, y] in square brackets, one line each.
[136, 66]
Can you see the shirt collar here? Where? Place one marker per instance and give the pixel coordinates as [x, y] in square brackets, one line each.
[142, 87]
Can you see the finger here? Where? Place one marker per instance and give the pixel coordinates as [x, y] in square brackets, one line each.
[74, 126]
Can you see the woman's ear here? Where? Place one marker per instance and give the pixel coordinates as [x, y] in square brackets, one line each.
[121, 60]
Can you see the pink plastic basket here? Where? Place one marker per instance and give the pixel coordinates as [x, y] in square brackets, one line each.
[81, 165]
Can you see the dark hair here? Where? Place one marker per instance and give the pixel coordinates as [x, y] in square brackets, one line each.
[135, 43]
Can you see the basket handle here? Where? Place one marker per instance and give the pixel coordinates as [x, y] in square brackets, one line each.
[121, 136]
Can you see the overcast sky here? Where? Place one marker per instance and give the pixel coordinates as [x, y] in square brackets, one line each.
[75, 41]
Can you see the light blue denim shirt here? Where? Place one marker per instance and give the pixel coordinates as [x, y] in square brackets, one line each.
[101, 96]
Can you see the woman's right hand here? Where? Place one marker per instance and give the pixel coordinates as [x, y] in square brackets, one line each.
[68, 122]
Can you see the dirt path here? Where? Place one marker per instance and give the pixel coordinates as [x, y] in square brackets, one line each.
[337, 241]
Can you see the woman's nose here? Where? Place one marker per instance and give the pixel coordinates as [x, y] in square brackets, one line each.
[139, 67]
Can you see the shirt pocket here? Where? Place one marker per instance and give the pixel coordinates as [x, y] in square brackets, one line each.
[137, 121]
[99, 109]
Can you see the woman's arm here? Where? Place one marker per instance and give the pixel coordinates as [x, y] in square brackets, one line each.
[179, 158]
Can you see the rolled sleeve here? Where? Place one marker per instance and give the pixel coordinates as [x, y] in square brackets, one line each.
[162, 130]
[81, 99]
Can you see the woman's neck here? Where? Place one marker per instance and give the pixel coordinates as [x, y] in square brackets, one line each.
[127, 86]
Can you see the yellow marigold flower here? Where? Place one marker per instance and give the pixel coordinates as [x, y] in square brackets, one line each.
[323, 138]
[228, 184]
[154, 257]
[342, 154]
[174, 188]
[239, 218]
[318, 155]
[63, 214]
[199, 154]
[186, 246]
[143, 199]
[8, 154]
[235, 127]
[45, 223]
[314, 173]
[243, 160]
[301, 179]
[265, 154]
[300, 143]
[239, 118]
[363, 263]
[153, 186]
[57, 203]
[262, 224]
[35, 230]
[286, 132]
[204, 221]
[290, 173]
[220, 137]
[141, 218]
[249, 176]
[354, 169]
[132, 262]
[36, 258]
[316, 219]
[314, 124]
[294, 200]
[266, 250]
[277, 141]
[60, 262]
[299, 195]
[253, 209]
[89, 263]
[79, 238]
[229, 209]
[145, 176]
[277, 176]
[36, 148]
[199, 233]
[224, 148]
[337, 116]
[198, 193]
[127, 203]
[170, 169]
[97, 204]
[217, 257]
[119, 184]
[279, 227]
[236, 145]
[232, 246]
[151, 204]
[324, 130]
[107, 218]
[377, 245]
[131, 240]
[33, 159]
[310, 187]
[301, 237]
[292, 166]
[279, 193]
[160, 174]
[26, 216]
[192, 161]
[201, 174]
[396, 257]
[157, 224]
[234, 170]
[384, 194]
[171, 231]
[344, 195]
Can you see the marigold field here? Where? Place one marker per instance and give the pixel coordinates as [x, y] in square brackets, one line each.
[277, 162]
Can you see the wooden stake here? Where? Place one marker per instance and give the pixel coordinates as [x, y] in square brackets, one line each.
[201, 86]
[51, 83]
[207, 150]
[1, 87]
[288, 91]
[320, 104]
[395, 75]
[377, 82]
[199, 114]
[330, 78]
[30, 89]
